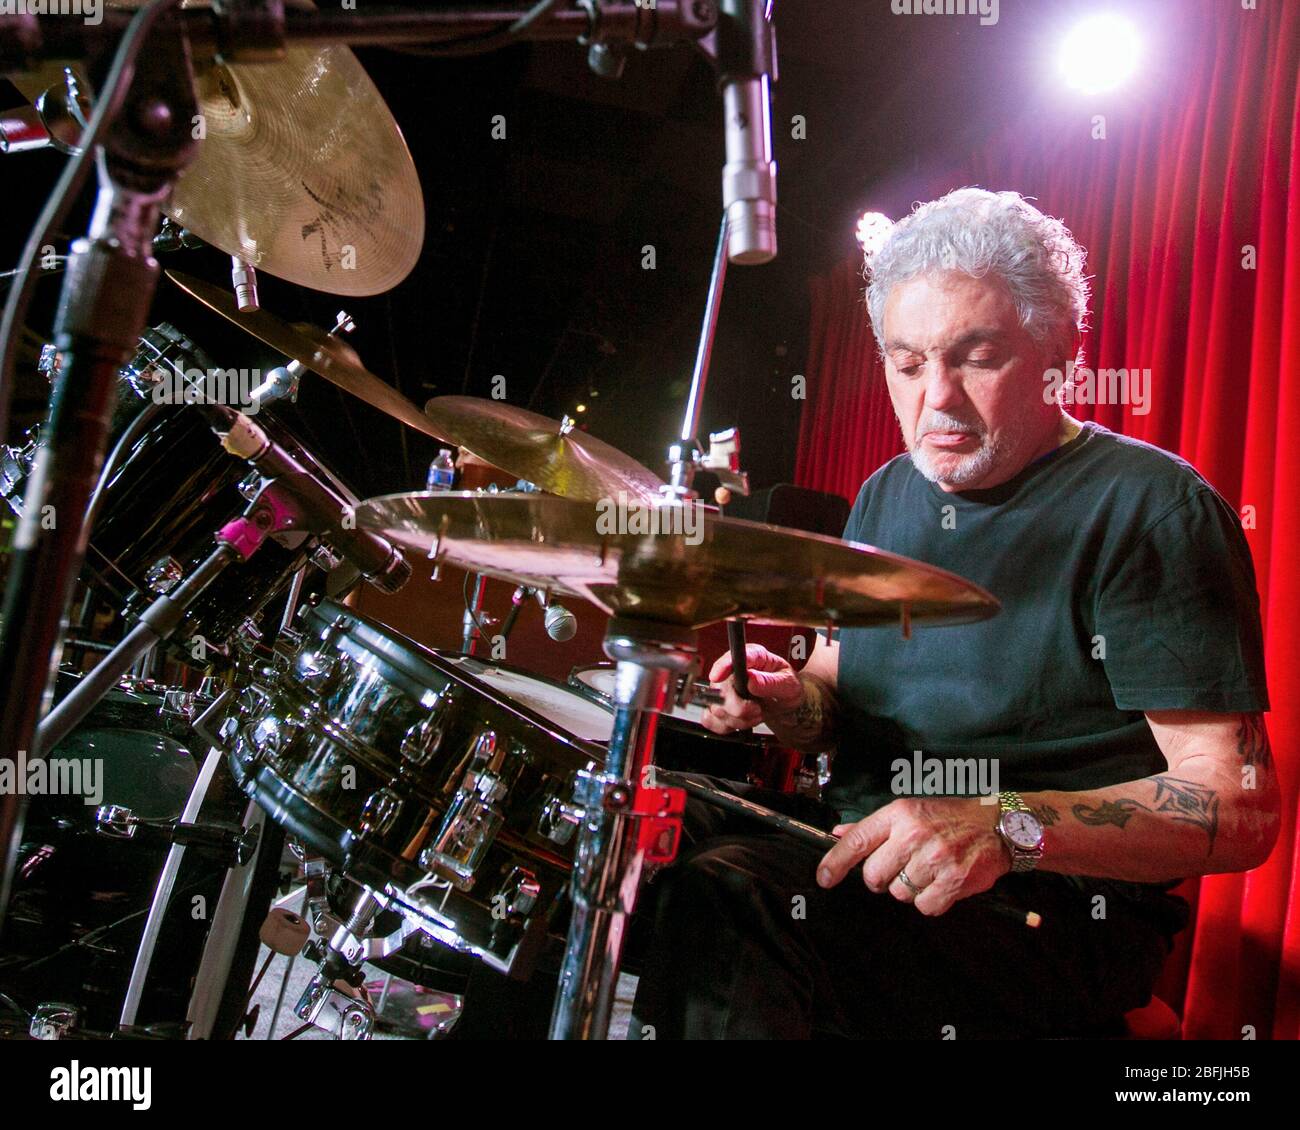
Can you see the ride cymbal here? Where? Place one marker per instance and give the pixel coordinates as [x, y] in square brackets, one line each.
[677, 565]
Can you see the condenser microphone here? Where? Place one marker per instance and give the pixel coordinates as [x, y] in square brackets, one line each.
[747, 62]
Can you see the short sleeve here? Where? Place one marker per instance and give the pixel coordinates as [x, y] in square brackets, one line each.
[852, 525]
[1179, 615]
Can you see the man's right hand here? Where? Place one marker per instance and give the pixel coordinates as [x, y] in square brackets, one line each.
[776, 689]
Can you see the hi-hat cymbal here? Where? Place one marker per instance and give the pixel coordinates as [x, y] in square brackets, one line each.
[301, 171]
[712, 568]
[569, 463]
[332, 359]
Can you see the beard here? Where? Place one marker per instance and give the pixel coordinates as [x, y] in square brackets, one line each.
[959, 470]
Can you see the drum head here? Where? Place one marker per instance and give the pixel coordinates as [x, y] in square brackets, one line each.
[599, 679]
[558, 704]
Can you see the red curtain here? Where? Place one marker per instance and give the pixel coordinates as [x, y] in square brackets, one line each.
[1173, 204]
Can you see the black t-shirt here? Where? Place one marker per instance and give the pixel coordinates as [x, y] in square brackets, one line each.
[1126, 585]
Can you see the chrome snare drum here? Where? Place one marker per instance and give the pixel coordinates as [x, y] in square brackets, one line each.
[417, 779]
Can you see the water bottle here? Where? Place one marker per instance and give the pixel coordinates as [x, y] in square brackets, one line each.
[442, 471]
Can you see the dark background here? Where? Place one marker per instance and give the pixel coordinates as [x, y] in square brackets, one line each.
[531, 265]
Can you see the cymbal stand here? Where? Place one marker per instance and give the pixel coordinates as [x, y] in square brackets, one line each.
[626, 822]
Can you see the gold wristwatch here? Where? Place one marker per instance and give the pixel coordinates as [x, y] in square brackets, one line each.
[1021, 831]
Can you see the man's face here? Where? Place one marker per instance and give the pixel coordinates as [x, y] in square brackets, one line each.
[966, 380]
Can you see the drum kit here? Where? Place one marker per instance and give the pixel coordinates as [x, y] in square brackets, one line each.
[238, 707]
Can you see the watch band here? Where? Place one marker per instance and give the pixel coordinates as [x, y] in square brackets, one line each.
[1022, 859]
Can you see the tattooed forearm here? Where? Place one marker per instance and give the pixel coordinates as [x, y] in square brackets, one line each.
[1114, 812]
[1188, 802]
[810, 725]
[1252, 741]
[1047, 815]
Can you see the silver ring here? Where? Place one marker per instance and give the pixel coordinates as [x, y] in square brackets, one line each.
[908, 883]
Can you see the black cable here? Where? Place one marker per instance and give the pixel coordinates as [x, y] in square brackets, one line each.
[484, 41]
[60, 201]
[125, 442]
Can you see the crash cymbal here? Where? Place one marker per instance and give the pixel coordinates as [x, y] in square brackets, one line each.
[688, 568]
[569, 463]
[334, 360]
[302, 171]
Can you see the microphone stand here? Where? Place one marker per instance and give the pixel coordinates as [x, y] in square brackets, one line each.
[107, 291]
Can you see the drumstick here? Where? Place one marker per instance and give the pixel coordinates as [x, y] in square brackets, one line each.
[739, 668]
[807, 833]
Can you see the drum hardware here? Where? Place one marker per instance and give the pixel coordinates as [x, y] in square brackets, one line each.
[231, 844]
[54, 1020]
[273, 511]
[335, 999]
[624, 824]
[284, 934]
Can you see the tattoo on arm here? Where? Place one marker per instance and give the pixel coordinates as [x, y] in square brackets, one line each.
[1252, 741]
[1114, 812]
[1047, 815]
[812, 723]
[1188, 802]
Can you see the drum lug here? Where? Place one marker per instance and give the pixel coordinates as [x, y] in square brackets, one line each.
[517, 895]
[164, 575]
[421, 742]
[472, 818]
[317, 671]
[559, 820]
[54, 1020]
[325, 559]
[379, 812]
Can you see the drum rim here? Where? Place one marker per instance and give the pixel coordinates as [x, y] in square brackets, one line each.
[414, 660]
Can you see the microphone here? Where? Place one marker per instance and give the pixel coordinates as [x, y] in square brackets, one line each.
[325, 511]
[244, 277]
[747, 63]
[561, 624]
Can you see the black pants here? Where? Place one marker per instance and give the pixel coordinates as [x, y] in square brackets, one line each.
[735, 940]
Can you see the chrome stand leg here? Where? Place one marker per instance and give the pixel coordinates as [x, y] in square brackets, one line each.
[611, 850]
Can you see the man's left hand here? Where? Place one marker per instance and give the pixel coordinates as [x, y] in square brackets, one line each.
[948, 847]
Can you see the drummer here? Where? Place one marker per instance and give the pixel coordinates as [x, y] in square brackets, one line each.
[1118, 699]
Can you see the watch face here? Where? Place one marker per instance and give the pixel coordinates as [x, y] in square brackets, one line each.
[1022, 829]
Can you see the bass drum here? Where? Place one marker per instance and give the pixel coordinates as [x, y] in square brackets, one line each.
[683, 744]
[170, 491]
[81, 898]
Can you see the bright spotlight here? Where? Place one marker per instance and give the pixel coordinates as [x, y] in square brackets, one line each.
[873, 227]
[1100, 53]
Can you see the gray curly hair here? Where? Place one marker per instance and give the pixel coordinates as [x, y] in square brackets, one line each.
[978, 232]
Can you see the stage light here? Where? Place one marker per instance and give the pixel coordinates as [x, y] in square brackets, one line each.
[1100, 53]
[873, 227]
[581, 408]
